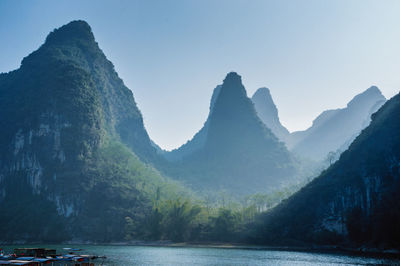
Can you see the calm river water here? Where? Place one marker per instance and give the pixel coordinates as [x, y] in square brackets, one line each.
[144, 255]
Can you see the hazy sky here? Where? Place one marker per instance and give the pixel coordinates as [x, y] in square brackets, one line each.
[313, 55]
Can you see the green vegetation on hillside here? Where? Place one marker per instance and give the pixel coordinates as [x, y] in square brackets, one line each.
[354, 202]
[76, 163]
[220, 218]
[73, 149]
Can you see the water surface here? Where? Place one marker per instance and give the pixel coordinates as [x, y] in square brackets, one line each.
[144, 255]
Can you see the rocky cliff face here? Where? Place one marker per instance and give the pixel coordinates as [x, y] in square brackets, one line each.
[66, 121]
[268, 113]
[75, 42]
[355, 200]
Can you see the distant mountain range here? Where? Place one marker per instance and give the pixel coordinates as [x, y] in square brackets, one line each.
[353, 202]
[201, 166]
[331, 131]
[234, 150]
[76, 162]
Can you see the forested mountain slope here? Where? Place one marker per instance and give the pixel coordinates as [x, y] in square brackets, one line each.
[72, 146]
[355, 201]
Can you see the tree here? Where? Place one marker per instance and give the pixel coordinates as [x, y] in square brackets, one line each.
[179, 218]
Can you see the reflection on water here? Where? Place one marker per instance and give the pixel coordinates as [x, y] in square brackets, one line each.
[138, 255]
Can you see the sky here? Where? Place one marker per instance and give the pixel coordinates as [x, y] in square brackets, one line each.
[314, 55]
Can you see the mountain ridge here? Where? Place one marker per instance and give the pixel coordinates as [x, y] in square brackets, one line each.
[333, 128]
[236, 144]
[73, 143]
[354, 201]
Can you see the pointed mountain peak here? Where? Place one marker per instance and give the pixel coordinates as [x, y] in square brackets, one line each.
[374, 89]
[233, 81]
[75, 30]
[233, 77]
[232, 87]
[234, 149]
[264, 92]
[268, 113]
[77, 35]
[263, 96]
[371, 94]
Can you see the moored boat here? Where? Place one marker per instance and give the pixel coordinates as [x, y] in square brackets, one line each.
[43, 256]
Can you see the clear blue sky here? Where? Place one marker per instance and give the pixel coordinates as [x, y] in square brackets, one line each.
[312, 54]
